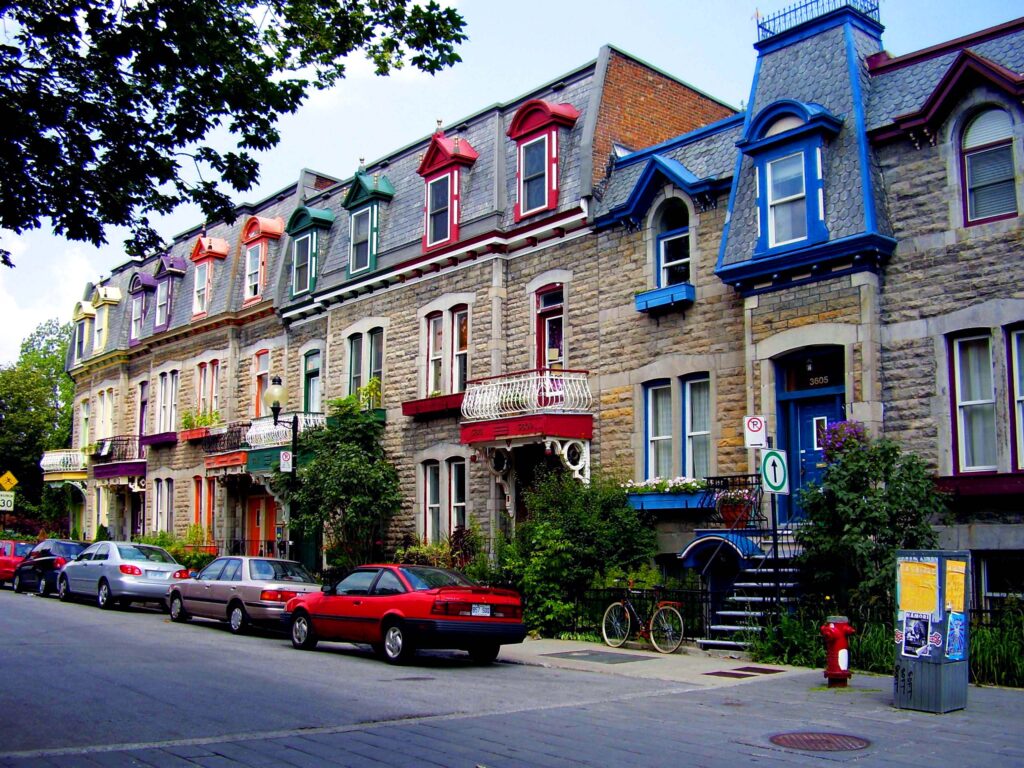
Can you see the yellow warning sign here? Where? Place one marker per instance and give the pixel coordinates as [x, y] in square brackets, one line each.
[8, 481]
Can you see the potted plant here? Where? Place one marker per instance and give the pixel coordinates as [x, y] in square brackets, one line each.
[735, 506]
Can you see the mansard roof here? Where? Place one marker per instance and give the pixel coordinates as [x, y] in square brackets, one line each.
[914, 91]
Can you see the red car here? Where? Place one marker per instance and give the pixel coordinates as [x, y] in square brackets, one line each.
[399, 608]
[12, 553]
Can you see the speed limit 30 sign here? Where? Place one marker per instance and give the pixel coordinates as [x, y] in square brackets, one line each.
[6, 501]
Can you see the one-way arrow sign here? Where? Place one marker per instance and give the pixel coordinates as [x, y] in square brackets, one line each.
[775, 472]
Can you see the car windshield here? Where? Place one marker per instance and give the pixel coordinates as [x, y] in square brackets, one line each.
[141, 552]
[279, 570]
[21, 548]
[67, 548]
[421, 577]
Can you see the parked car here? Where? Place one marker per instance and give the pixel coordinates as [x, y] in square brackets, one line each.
[119, 572]
[241, 591]
[39, 569]
[11, 553]
[399, 608]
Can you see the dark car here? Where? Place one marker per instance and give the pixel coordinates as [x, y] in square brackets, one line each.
[39, 569]
[11, 553]
[398, 608]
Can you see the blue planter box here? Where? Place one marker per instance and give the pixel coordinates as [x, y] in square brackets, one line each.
[665, 500]
[670, 296]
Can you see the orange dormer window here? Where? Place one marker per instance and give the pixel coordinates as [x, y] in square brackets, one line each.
[205, 252]
[535, 131]
[441, 169]
[257, 234]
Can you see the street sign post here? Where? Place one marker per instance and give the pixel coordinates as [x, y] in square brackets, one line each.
[754, 433]
[775, 472]
[286, 461]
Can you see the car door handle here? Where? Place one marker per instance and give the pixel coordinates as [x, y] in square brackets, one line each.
[357, 602]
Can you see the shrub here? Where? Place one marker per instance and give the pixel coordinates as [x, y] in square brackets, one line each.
[102, 534]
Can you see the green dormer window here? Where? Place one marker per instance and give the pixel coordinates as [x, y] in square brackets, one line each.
[362, 200]
[304, 227]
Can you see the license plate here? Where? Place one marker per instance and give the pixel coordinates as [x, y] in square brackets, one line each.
[480, 610]
[156, 574]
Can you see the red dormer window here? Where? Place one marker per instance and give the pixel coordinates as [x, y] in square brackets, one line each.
[441, 169]
[535, 131]
[257, 234]
[205, 253]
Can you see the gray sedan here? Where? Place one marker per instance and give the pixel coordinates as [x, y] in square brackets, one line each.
[240, 591]
[119, 572]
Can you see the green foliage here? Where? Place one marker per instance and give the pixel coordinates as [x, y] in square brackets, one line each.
[102, 534]
[163, 539]
[346, 488]
[370, 395]
[35, 416]
[573, 535]
[995, 653]
[873, 500]
[792, 639]
[191, 419]
[107, 122]
[196, 536]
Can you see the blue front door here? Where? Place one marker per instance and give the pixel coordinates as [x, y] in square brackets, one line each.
[806, 421]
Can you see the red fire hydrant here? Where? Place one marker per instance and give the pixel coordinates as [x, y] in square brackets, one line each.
[837, 651]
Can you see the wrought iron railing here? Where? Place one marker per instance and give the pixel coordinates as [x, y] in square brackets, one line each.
[543, 390]
[64, 460]
[231, 438]
[736, 500]
[254, 547]
[797, 14]
[263, 433]
[120, 448]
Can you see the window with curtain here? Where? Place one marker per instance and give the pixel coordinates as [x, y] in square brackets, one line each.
[355, 363]
[697, 400]
[457, 492]
[787, 200]
[975, 403]
[1017, 372]
[312, 382]
[659, 431]
[432, 501]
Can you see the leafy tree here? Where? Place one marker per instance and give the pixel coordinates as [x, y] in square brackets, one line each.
[574, 533]
[347, 489]
[873, 500]
[35, 416]
[103, 102]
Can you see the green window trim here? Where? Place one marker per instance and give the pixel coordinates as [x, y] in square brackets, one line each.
[310, 262]
[367, 236]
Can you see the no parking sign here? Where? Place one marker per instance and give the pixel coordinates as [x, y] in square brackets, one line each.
[754, 433]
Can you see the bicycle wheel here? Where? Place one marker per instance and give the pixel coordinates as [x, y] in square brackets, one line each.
[615, 625]
[667, 629]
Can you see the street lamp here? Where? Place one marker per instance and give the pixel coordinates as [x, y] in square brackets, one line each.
[274, 395]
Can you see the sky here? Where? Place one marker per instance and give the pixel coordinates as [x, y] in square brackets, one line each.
[512, 49]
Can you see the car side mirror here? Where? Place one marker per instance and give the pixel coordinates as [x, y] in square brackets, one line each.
[327, 589]
[193, 574]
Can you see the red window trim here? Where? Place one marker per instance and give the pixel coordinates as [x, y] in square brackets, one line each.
[454, 200]
[535, 119]
[550, 135]
[453, 350]
[965, 191]
[544, 312]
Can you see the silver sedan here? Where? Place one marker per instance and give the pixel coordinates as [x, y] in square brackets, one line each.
[119, 572]
[240, 591]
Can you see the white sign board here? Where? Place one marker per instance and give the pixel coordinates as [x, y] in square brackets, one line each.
[754, 433]
[286, 461]
[775, 472]
[6, 501]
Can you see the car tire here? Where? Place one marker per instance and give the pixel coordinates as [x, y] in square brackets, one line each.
[484, 653]
[63, 590]
[177, 609]
[104, 599]
[42, 588]
[398, 646]
[302, 632]
[17, 585]
[238, 619]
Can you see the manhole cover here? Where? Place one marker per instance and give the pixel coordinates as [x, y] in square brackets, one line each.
[820, 742]
[599, 657]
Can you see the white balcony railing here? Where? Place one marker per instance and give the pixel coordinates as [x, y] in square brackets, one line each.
[263, 434]
[525, 393]
[64, 460]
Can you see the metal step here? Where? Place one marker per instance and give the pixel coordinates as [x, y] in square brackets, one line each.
[746, 614]
[735, 628]
[764, 585]
[759, 599]
[761, 569]
[712, 642]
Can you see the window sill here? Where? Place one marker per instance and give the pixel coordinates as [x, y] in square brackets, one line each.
[430, 407]
[670, 296]
[252, 300]
[666, 500]
[982, 484]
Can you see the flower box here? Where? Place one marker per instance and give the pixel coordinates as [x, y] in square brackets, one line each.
[666, 500]
[194, 434]
[159, 438]
[428, 407]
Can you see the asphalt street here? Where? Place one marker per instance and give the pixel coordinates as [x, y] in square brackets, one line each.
[84, 688]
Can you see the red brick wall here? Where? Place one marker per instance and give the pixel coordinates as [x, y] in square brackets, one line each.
[640, 106]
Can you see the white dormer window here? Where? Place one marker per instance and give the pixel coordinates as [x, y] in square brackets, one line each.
[200, 297]
[161, 302]
[787, 200]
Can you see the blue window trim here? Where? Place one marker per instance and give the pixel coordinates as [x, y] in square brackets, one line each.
[817, 231]
[649, 386]
[685, 410]
[660, 262]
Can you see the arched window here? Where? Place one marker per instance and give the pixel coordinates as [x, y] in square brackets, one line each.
[987, 161]
[673, 243]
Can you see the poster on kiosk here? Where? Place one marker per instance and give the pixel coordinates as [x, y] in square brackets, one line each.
[931, 634]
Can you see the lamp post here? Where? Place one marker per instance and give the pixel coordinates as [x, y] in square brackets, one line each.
[274, 395]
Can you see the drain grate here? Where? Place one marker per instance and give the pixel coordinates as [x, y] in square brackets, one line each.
[599, 657]
[760, 670]
[819, 742]
[724, 673]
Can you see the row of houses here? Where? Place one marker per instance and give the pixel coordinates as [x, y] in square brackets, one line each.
[608, 272]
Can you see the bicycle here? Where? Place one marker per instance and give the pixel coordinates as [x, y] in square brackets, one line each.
[664, 629]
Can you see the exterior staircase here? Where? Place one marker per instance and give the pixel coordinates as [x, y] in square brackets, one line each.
[752, 598]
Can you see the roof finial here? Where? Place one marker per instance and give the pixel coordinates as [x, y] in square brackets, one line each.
[456, 142]
[376, 180]
[439, 121]
[362, 163]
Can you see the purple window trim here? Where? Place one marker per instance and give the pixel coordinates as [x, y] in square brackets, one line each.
[964, 191]
[1011, 388]
[170, 304]
[159, 438]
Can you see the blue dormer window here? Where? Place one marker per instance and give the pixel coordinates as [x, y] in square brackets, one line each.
[673, 245]
[786, 141]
